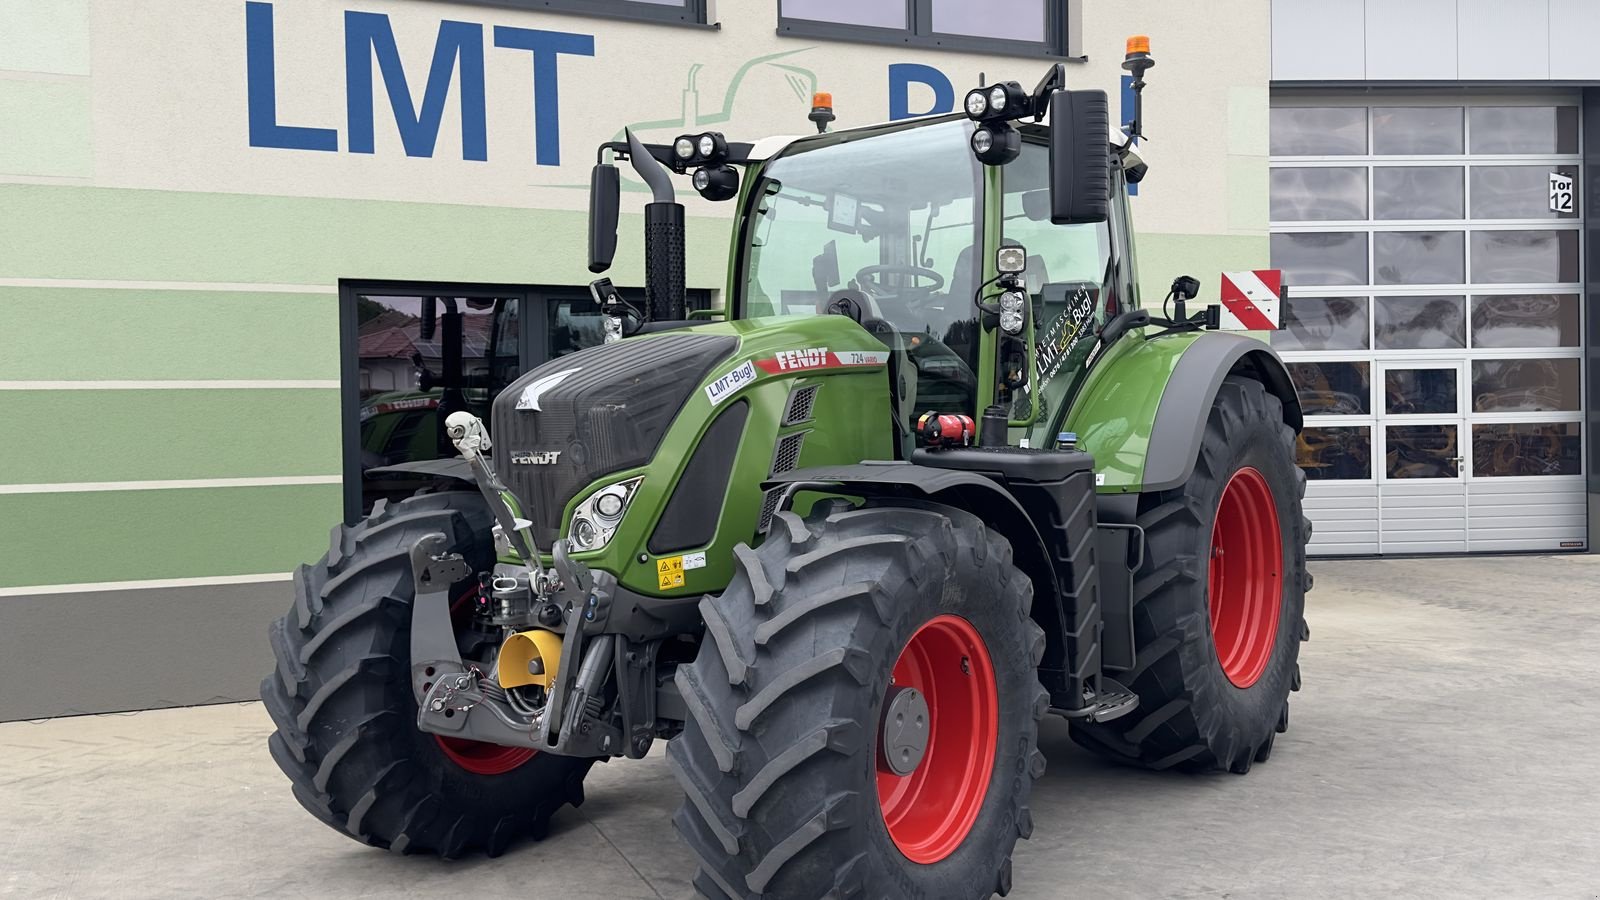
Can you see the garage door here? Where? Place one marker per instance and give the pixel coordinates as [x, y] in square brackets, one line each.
[1433, 251]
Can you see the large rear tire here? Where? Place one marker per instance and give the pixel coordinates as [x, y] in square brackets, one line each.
[1219, 602]
[346, 720]
[789, 793]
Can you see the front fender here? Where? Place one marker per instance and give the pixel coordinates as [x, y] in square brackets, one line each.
[1143, 408]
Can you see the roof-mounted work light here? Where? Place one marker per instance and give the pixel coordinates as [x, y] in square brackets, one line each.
[705, 149]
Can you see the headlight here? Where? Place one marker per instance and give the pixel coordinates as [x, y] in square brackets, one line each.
[708, 145]
[982, 140]
[1011, 321]
[997, 98]
[684, 147]
[977, 103]
[1012, 301]
[595, 520]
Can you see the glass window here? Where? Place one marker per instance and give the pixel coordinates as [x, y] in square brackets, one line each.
[691, 12]
[1323, 323]
[1524, 129]
[871, 13]
[1417, 192]
[1412, 392]
[1318, 131]
[1305, 194]
[1520, 192]
[1525, 320]
[1524, 257]
[1010, 20]
[1420, 323]
[1422, 451]
[1334, 454]
[1333, 388]
[1526, 385]
[1419, 257]
[1416, 130]
[1545, 448]
[1321, 257]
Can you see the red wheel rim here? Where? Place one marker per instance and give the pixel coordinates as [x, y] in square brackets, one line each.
[930, 811]
[481, 758]
[1246, 577]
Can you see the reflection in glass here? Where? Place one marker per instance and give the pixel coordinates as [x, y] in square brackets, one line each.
[1305, 194]
[1333, 388]
[573, 325]
[1419, 391]
[1524, 129]
[1417, 192]
[1329, 454]
[1518, 192]
[1416, 130]
[1323, 323]
[1420, 323]
[1419, 257]
[1524, 257]
[1012, 20]
[1525, 320]
[1546, 448]
[1525, 385]
[1325, 131]
[873, 13]
[1321, 257]
[1422, 451]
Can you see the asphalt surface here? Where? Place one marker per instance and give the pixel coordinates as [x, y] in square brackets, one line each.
[1447, 744]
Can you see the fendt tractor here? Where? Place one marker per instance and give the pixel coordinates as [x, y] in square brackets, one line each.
[930, 474]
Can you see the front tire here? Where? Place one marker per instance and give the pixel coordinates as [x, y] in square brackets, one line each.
[346, 719]
[789, 793]
[1220, 600]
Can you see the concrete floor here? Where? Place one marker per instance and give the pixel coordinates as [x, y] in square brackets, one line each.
[1447, 744]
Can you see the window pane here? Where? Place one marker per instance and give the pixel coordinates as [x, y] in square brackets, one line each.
[1419, 257]
[1422, 451]
[1525, 385]
[1416, 130]
[1012, 20]
[1412, 392]
[1518, 192]
[1333, 131]
[1420, 323]
[1518, 257]
[1526, 449]
[1328, 454]
[1417, 192]
[1306, 194]
[1524, 129]
[874, 13]
[1525, 320]
[1321, 258]
[1333, 388]
[1323, 323]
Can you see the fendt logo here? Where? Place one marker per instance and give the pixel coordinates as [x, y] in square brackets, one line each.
[809, 358]
[535, 457]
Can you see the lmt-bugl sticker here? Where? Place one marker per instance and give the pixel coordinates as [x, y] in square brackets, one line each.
[729, 384]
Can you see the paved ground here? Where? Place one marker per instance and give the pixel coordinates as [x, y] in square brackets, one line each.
[1447, 744]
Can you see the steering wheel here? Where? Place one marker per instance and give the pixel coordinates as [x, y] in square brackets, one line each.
[869, 281]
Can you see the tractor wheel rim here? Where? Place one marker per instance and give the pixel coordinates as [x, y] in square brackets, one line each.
[930, 811]
[1246, 577]
[481, 758]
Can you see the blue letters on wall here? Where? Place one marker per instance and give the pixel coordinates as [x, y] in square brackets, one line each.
[544, 45]
[903, 75]
[261, 90]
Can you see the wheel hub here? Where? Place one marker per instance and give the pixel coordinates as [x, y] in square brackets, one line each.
[903, 733]
[1245, 587]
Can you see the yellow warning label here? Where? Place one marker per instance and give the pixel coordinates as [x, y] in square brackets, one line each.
[669, 572]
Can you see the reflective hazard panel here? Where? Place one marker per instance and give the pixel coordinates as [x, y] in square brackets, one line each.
[1250, 300]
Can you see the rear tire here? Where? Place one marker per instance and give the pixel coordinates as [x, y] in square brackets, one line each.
[346, 720]
[787, 797]
[1214, 694]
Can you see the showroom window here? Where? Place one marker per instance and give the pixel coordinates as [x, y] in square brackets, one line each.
[675, 12]
[1433, 256]
[1036, 27]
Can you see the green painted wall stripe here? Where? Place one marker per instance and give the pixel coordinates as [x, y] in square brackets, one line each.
[136, 435]
[45, 128]
[135, 335]
[137, 535]
[50, 231]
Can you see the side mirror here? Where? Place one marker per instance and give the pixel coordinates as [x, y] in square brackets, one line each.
[1080, 157]
[430, 318]
[605, 203]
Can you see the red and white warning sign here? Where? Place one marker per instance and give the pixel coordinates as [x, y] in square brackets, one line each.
[1250, 300]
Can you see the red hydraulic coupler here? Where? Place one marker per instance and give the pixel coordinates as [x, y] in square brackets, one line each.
[945, 430]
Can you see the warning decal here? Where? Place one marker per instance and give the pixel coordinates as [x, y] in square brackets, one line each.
[669, 572]
[1250, 300]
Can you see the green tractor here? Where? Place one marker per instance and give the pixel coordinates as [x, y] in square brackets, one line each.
[935, 476]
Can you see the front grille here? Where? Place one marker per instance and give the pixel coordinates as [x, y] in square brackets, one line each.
[799, 408]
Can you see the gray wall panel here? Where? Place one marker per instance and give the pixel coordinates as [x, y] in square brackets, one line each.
[1503, 41]
[1574, 35]
[1318, 40]
[67, 654]
[1411, 39]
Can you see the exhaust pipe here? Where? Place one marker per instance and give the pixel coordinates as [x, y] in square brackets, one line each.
[664, 253]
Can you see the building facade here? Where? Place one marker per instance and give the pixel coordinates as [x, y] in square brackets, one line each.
[225, 227]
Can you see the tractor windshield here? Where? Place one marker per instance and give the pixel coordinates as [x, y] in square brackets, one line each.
[891, 223]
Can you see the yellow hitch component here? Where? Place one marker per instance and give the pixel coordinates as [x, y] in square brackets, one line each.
[529, 657]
